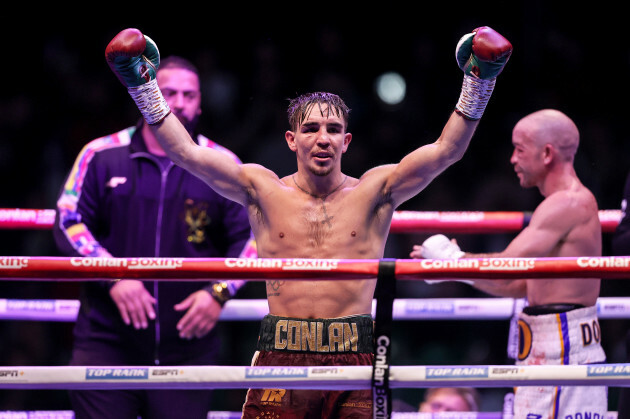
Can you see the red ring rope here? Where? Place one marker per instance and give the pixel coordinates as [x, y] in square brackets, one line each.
[80, 268]
[402, 221]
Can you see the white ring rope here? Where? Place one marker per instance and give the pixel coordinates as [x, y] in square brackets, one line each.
[256, 309]
[68, 414]
[37, 414]
[314, 378]
[61, 414]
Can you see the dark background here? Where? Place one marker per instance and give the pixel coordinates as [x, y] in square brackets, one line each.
[58, 94]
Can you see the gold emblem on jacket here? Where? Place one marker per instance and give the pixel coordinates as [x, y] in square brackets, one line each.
[196, 217]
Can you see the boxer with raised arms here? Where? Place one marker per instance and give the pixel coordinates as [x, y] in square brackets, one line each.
[317, 212]
[559, 325]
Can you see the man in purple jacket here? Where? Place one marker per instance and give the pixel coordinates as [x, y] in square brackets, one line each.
[125, 198]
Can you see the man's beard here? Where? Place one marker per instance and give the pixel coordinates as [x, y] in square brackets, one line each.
[189, 124]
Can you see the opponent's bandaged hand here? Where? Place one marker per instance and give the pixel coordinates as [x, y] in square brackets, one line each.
[440, 247]
[482, 55]
[135, 59]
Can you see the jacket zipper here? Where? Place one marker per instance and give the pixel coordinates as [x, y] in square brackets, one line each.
[158, 239]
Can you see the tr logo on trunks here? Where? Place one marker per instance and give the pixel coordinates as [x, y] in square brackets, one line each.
[299, 335]
[272, 396]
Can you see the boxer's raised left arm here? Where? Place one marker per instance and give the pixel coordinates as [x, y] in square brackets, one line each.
[482, 55]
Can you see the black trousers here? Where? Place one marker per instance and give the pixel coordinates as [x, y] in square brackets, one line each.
[623, 407]
[145, 404]
[134, 404]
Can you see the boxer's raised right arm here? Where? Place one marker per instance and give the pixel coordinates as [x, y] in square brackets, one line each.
[482, 55]
[135, 59]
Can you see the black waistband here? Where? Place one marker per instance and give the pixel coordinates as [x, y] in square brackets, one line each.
[551, 308]
[339, 335]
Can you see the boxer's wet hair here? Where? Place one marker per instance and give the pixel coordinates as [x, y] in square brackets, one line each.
[301, 106]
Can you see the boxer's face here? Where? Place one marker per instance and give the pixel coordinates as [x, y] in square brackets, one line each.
[320, 141]
[526, 159]
[181, 91]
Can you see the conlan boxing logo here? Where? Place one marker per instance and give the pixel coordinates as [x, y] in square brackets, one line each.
[284, 264]
[380, 378]
[605, 262]
[511, 264]
[13, 263]
[139, 263]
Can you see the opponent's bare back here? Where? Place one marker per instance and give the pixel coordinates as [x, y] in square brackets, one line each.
[565, 224]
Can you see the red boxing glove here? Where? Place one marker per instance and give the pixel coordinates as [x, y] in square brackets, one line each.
[482, 55]
[135, 59]
[128, 43]
[490, 45]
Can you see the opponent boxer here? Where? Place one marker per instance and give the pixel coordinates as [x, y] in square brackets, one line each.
[317, 212]
[559, 325]
[621, 247]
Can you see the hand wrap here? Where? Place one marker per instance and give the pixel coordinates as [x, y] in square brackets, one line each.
[135, 60]
[440, 247]
[150, 102]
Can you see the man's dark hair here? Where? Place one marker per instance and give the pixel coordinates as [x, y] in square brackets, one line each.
[175, 61]
[300, 107]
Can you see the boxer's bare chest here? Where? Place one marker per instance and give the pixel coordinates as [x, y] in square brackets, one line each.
[297, 224]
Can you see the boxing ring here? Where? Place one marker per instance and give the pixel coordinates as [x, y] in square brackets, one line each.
[382, 377]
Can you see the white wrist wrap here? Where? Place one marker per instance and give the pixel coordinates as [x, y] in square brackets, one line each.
[440, 247]
[474, 97]
[149, 99]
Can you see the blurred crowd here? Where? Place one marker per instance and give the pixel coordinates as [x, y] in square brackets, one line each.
[62, 94]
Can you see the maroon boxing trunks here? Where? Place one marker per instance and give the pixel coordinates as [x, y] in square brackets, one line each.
[312, 342]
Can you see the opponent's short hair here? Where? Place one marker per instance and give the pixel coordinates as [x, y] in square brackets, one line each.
[301, 106]
[175, 61]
